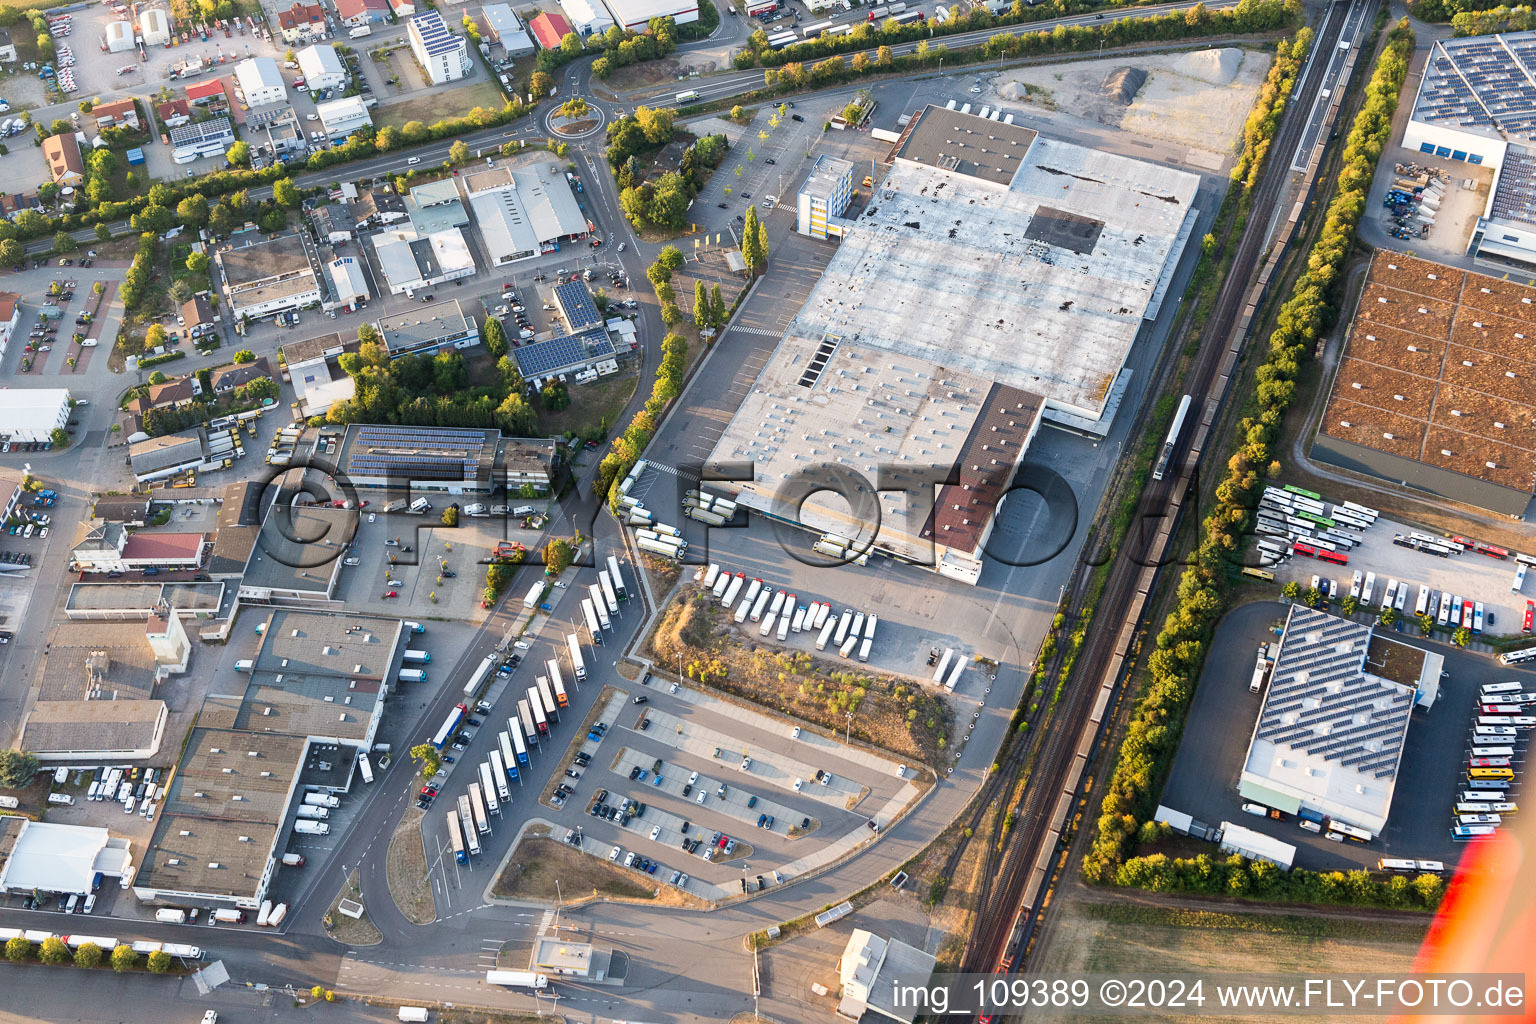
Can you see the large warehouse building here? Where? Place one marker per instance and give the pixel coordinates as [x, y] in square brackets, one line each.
[1331, 732]
[523, 212]
[1434, 390]
[32, 414]
[997, 281]
[1477, 104]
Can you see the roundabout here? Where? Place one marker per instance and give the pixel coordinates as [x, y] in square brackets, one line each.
[575, 119]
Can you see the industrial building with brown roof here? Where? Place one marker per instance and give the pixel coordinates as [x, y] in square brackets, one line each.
[1436, 388]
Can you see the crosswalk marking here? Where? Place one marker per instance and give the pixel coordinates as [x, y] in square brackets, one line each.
[760, 331]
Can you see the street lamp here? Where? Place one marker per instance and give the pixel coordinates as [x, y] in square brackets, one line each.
[849, 730]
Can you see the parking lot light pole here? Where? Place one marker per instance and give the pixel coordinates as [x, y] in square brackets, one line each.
[849, 730]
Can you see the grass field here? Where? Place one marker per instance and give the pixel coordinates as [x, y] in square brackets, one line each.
[595, 407]
[441, 105]
[406, 870]
[1140, 940]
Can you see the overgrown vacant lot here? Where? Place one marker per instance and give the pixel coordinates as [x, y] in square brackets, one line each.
[893, 713]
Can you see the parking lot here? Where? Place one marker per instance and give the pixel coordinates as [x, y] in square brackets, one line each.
[1203, 780]
[749, 794]
[1469, 575]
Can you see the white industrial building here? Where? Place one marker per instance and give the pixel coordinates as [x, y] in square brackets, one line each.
[120, 37]
[155, 27]
[32, 414]
[445, 56]
[410, 262]
[523, 212]
[637, 14]
[260, 82]
[49, 857]
[587, 17]
[349, 285]
[198, 139]
[321, 67]
[343, 117]
[1334, 722]
[998, 281]
[1255, 845]
[868, 971]
[270, 276]
[507, 29]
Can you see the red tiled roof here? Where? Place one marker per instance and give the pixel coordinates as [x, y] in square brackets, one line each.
[8, 303]
[202, 90]
[173, 109]
[549, 29]
[180, 546]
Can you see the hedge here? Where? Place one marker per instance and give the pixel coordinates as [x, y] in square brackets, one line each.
[1173, 667]
[163, 358]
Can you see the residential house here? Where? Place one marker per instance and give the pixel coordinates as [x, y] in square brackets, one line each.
[198, 316]
[227, 378]
[175, 113]
[356, 13]
[173, 394]
[63, 155]
[117, 114]
[402, 8]
[548, 29]
[301, 22]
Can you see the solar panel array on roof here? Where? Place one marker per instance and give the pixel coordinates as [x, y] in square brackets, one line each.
[1321, 701]
[563, 352]
[577, 305]
[1483, 83]
[435, 37]
[417, 453]
[1515, 197]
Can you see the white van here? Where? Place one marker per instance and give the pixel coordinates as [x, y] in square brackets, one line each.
[421, 505]
[524, 510]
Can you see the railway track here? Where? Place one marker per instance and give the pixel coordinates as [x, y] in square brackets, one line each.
[1023, 867]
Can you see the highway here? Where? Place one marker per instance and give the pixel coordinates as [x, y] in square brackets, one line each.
[1006, 917]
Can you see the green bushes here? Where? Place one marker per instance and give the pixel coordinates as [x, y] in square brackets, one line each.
[1447, 10]
[1237, 876]
[1497, 19]
[1173, 666]
[166, 357]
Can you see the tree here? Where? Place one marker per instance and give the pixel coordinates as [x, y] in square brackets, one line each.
[750, 251]
[285, 193]
[58, 437]
[154, 337]
[738, 113]
[239, 154]
[539, 84]
[1426, 624]
[718, 314]
[197, 263]
[159, 961]
[245, 355]
[88, 955]
[11, 253]
[63, 241]
[1349, 605]
[158, 377]
[1388, 616]
[762, 243]
[17, 768]
[1291, 591]
[670, 258]
[701, 307]
[458, 153]
[18, 950]
[558, 555]
[493, 337]
[571, 45]
[451, 515]
[193, 211]
[54, 951]
[153, 219]
[1462, 636]
[428, 758]
[655, 125]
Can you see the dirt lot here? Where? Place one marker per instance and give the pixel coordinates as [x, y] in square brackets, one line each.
[532, 871]
[407, 871]
[1199, 99]
[891, 713]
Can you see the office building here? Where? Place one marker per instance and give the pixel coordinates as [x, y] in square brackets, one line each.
[443, 55]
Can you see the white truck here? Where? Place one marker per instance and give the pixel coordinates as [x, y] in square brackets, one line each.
[305, 827]
[322, 800]
[171, 915]
[313, 813]
[517, 979]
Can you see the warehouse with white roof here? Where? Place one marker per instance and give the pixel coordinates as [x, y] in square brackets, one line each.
[523, 212]
[1331, 733]
[587, 17]
[260, 81]
[637, 14]
[32, 414]
[997, 281]
[321, 67]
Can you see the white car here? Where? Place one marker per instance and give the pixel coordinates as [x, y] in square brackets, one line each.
[798, 784]
[623, 246]
[655, 831]
[372, 516]
[693, 778]
[901, 771]
[613, 854]
[395, 583]
[672, 688]
[795, 733]
[311, 117]
[211, 1017]
[521, 645]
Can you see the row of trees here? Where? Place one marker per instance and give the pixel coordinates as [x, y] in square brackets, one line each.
[1237, 876]
[53, 950]
[626, 448]
[1446, 10]
[754, 242]
[1248, 16]
[1264, 119]
[1173, 667]
[1497, 19]
[709, 308]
